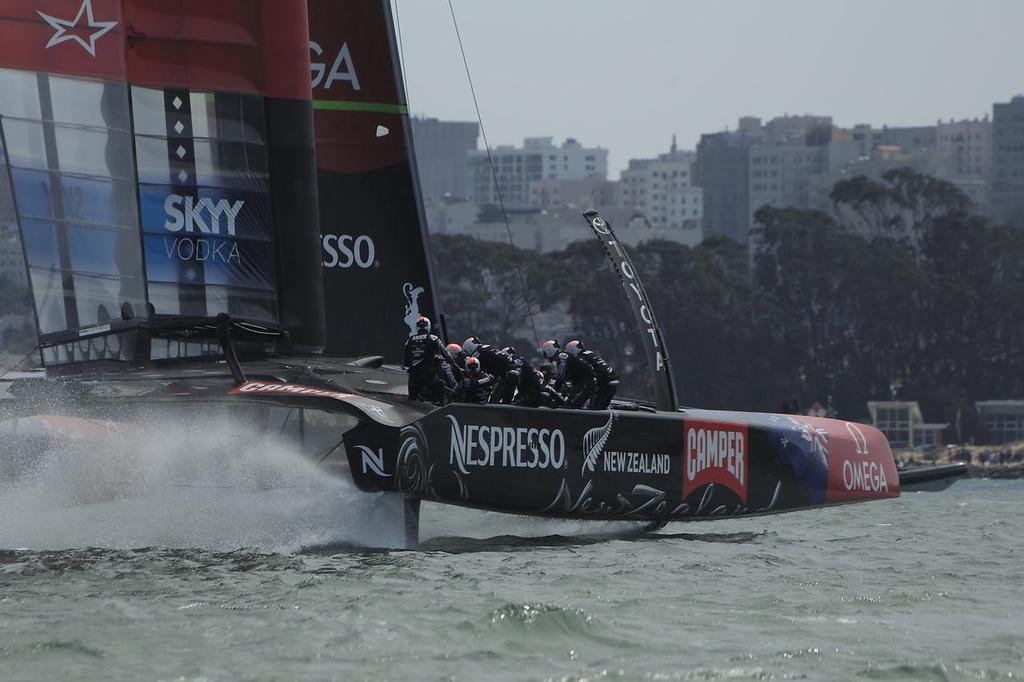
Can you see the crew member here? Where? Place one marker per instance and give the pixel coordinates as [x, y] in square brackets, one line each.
[458, 360]
[607, 379]
[505, 367]
[475, 386]
[535, 391]
[430, 373]
[574, 377]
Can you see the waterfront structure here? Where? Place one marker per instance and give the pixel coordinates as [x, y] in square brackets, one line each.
[1002, 420]
[1007, 189]
[441, 149]
[902, 423]
[661, 189]
[538, 159]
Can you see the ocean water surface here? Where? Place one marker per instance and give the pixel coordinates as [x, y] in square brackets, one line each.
[926, 587]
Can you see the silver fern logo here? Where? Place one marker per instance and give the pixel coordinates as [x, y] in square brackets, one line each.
[594, 441]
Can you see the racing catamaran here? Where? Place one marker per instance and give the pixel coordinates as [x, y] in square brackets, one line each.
[212, 197]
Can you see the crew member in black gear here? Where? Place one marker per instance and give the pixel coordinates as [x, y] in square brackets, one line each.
[458, 360]
[426, 359]
[574, 378]
[475, 387]
[607, 379]
[534, 390]
[505, 367]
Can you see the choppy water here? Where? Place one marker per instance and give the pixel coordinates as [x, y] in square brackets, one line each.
[927, 587]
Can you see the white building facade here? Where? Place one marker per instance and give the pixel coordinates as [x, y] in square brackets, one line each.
[662, 190]
[538, 159]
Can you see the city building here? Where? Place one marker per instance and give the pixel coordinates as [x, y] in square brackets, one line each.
[1007, 185]
[545, 231]
[903, 425]
[772, 164]
[538, 159]
[722, 171]
[441, 149]
[1002, 420]
[580, 194]
[912, 139]
[661, 190]
[965, 147]
[784, 176]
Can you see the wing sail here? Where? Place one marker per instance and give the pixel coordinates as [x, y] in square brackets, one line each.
[139, 138]
[376, 268]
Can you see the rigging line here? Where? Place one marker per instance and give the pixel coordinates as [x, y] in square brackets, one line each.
[20, 362]
[494, 174]
[401, 52]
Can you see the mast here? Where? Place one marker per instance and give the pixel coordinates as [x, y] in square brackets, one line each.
[636, 297]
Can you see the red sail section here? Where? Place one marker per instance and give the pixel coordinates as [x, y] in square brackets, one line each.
[243, 46]
[68, 37]
[375, 265]
[247, 46]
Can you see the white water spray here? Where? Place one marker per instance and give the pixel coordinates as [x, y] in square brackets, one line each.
[212, 484]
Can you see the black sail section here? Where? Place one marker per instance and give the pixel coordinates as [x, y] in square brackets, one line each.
[376, 269]
[636, 296]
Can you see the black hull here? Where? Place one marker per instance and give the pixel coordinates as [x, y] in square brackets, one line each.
[354, 418]
[933, 478]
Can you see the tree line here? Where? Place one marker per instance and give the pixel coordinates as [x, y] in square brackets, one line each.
[901, 288]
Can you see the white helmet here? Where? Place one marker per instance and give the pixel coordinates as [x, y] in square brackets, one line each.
[574, 348]
[550, 348]
[470, 345]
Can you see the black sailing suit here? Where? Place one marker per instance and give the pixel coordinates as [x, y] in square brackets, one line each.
[535, 392]
[607, 380]
[475, 389]
[505, 367]
[430, 373]
[580, 374]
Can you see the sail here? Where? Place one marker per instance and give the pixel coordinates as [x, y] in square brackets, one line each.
[376, 269]
[636, 296]
[139, 138]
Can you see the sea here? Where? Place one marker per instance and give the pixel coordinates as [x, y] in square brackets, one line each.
[278, 582]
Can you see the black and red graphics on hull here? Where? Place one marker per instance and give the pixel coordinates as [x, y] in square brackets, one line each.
[623, 465]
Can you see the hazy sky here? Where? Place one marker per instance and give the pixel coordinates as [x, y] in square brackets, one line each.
[627, 74]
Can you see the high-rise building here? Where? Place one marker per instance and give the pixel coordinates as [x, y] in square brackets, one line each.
[441, 148]
[1007, 187]
[538, 159]
[662, 190]
[772, 165]
[722, 172]
[784, 175]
